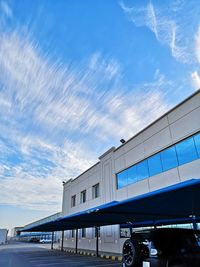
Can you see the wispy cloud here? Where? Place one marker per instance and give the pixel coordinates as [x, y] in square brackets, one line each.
[5, 9]
[168, 24]
[27, 191]
[197, 44]
[122, 112]
[109, 67]
[57, 99]
[152, 19]
[49, 109]
[195, 78]
[35, 180]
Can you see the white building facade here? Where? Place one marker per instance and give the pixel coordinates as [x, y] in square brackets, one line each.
[166, 152]
[3, 236]
[16, 231]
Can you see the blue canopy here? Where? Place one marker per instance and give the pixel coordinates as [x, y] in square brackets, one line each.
[176, 203]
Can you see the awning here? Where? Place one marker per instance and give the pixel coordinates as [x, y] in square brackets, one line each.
[180, 202]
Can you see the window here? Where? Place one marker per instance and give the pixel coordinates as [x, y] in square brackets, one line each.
[169, 158]
[73, 201]
[155, 165]
[95, 191]
[83, 232]
[186, 151]
[181, 153]
[83, 196]
[108, 230]
[122, 179]
[142, 170]
[73, 233]
[125, 232]
[197, 143]
[131, 173]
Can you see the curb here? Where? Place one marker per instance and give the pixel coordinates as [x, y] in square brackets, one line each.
[111, 257]
[92, 254]
[79, 252]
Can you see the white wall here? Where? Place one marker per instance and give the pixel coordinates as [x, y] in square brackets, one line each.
[84, 182]
[3, 236]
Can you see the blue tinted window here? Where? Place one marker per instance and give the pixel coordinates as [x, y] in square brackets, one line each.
[121, 179]
[132, 178]
[186, 151]
[197, 143]
[142, 170]
[155, 165]
[169, 158]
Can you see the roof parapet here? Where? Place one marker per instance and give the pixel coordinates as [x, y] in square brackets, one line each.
[107, 152]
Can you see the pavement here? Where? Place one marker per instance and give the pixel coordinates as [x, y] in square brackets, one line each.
[39, 255]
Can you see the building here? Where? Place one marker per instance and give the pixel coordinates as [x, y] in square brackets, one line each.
[15, 232]
[166, 152]
[3, 236]
[29, 236]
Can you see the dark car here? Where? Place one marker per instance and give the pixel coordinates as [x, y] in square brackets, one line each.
[163, 247]
[34, 240]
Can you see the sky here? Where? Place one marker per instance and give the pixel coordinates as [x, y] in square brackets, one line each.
[76, 77]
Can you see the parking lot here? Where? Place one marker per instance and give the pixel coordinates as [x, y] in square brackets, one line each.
[35, 256]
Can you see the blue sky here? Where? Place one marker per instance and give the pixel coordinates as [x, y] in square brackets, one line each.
[76, 77]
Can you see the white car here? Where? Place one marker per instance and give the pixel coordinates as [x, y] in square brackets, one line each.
[43, 241]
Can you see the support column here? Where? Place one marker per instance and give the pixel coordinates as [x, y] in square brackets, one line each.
[76, 244]
[62, 240]
[131, 230]
[52, 237]
[194, 223]
[97, 241]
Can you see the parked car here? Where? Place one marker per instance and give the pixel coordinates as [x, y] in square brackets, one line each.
[34, 240]
[163, 247]
[43, 241]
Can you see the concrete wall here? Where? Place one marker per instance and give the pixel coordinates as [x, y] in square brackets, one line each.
[3, 236]
[74, 187]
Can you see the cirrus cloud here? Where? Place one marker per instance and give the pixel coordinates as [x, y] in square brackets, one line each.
[169, 25]
[49, 111]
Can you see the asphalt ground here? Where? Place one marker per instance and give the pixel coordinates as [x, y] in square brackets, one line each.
[26, 255]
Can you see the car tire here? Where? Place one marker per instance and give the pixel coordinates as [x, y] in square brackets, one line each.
[131, 253]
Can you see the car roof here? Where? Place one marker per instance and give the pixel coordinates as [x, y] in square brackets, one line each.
[163, 231]
[168, 229]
